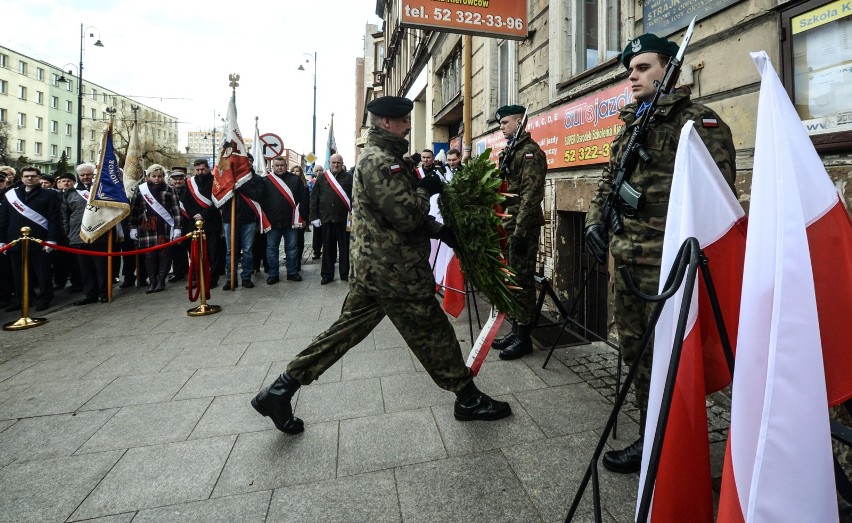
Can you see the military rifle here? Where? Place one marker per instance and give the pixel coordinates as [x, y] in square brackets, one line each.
[507, 152]
[624, 199]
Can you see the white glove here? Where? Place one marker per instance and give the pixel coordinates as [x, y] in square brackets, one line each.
[48, 246]
[175, 234]
[1, 246]
[316, 223]
[134, 234]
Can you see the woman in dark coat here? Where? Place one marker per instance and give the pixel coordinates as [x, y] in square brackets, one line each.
[155, 220]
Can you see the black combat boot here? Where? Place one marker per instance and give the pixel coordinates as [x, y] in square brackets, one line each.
[521, 346]
[472, 404]
[274, 402]
[505, 341]
[627, 460]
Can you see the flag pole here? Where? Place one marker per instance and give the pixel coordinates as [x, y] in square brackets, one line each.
[109, 266]
[233, 239]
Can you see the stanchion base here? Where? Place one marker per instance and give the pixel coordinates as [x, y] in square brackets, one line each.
[24, 323]
[204, 310]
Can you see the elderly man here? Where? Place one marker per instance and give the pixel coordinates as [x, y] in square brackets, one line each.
[29, 205]
[331, 208]
[64, 263]
[180, 252]
[285, 201]
[316, 238]
[93, 269]
[392, 277]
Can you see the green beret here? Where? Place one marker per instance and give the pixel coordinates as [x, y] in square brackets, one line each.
[508, 110]
[647, 43]
[390, 106]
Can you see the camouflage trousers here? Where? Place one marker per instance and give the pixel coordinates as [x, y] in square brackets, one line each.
[422, 324]
[632, 315]
[524, 267]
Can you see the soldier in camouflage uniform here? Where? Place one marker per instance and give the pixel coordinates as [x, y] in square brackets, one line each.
[527, 169]
[391, 277]
[640, 246]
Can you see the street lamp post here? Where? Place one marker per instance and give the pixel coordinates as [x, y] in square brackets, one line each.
[80, 93]
[301, 68]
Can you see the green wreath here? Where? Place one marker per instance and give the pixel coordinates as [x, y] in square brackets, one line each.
[467, 206]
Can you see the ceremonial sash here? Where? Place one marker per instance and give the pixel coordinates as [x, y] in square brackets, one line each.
[84, 194]
[265, 225]
[183, 210]
[288, 195]
[152, 202]
[202, 200]
[338, 189]
[28, 212]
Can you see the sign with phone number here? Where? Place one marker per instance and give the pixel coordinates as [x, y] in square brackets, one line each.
[574, 134]
[479, 17]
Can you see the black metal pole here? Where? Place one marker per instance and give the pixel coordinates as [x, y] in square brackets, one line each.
[80, 103]
[314, 143]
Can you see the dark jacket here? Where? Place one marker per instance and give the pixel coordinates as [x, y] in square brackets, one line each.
[43, 201]
[278, 210]
[210, 215]
[253, 189]
[326, 205]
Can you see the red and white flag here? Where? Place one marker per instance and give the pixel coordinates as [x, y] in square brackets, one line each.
[778, 465]
[701, 205]
[233, 168]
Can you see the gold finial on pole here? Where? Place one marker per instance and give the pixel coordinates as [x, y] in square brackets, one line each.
[204, 309]
[234, 80]
[25, 322]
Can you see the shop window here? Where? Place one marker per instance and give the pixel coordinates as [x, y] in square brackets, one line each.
[816, 58]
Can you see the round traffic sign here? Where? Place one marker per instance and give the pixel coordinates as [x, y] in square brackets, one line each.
[272, 145]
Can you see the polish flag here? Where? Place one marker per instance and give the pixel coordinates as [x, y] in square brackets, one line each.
[701, 205]
[778, 465]
[445, 263]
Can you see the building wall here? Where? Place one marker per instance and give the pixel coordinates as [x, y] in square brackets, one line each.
[154, 124]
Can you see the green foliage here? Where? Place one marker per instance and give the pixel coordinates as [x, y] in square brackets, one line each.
[467, 206]
[62, 164]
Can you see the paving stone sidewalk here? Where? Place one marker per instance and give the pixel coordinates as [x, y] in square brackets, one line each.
[132, 411]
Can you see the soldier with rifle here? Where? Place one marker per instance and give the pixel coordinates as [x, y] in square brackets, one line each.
[628, 213]
[523, 166]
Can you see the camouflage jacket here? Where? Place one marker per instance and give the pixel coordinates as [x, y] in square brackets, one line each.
[391, 225]
[641, 243]
[527, 171]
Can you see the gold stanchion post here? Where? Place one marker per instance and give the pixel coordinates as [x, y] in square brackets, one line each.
[204, 309]
[25, 322]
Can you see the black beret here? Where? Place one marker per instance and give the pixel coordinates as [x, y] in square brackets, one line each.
[508, 110]
[647, 43]
[390, 106]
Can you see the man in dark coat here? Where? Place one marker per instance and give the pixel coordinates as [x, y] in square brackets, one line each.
[197, 200]
[285, 201]
[330, 208]
[31, 206]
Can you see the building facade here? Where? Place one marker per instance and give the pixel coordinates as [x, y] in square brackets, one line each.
[567, 74]
[39, 104]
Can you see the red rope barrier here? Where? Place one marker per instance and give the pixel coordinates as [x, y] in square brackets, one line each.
[9, 246]
[196, 255]
[112, 254]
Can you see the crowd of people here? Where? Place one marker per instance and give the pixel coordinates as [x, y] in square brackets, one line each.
[272, 209]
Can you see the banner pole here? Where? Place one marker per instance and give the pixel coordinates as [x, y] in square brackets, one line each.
[109, 267]
[25, 322]
[233, 240]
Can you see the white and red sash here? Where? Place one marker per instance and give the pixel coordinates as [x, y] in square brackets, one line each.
[183, 210]
[202, 200]
[152, 202]
[265, 225]
[338, 189]
[22, 208]
[84, 194]
[288, 195]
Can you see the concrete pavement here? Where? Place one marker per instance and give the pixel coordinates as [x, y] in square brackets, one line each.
[132, 411]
